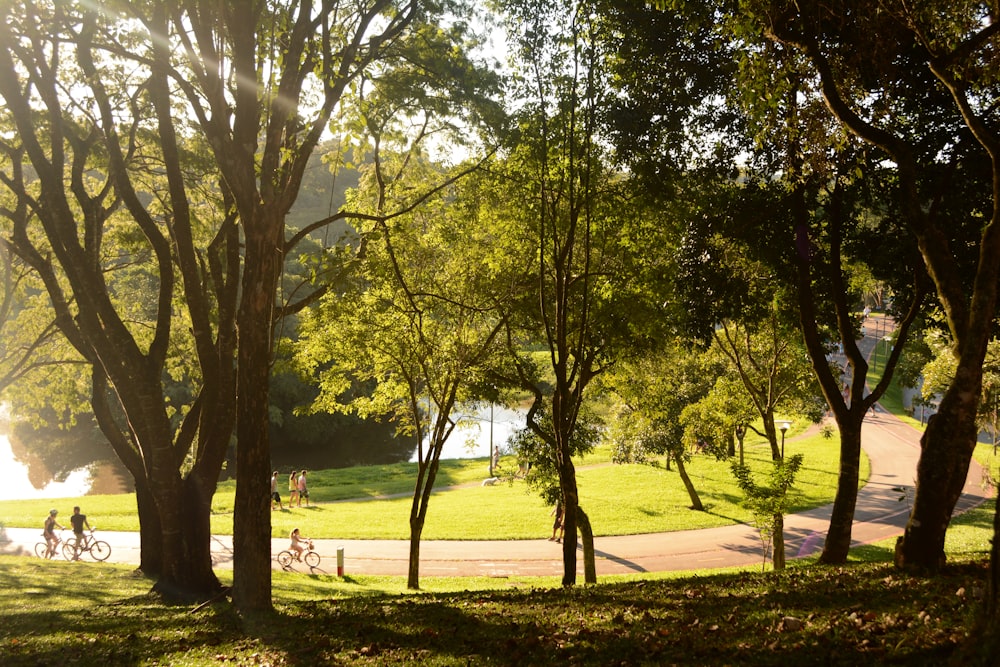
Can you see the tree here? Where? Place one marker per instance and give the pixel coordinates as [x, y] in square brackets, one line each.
[773, 371]
[257, 84]
[420, 324]
[115, 245]
[542, 472]
[769, 503]
[881, 69]
[808, 208]
[574, 210]
[655, 394]
[263, 123]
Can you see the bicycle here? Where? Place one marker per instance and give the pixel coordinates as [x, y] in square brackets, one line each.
[311, 558]
[97, 549]
[43, 550]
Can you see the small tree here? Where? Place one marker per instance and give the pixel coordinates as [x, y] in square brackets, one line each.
[769, 503]
[655, 392]
[770, 361]
[420, 325]
[543, 476]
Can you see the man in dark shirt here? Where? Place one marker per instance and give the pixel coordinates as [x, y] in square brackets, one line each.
[79, 521]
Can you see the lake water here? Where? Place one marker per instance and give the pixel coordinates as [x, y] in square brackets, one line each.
[472, 438]
[16, 483]
[475, 432]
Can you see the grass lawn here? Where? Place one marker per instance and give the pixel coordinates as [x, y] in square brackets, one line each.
[351, 503]
[863, 613]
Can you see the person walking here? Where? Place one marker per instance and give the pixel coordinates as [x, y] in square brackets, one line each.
[303, 489]
[557, 524]
[275, 496]
[293, 488]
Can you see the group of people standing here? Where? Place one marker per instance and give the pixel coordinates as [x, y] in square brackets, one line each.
[297, 489]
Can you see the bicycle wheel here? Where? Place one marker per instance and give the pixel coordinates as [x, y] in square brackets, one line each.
[42, 550]
[100, 550]
[69, 549]
[285, 558]
[312, 558]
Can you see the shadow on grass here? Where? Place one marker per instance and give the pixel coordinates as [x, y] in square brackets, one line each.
[861, 613]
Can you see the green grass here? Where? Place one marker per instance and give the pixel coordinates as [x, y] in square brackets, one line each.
[863, 613]
[866, 612]
[620, 499]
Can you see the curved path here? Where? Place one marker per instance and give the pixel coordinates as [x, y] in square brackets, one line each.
[882, 511]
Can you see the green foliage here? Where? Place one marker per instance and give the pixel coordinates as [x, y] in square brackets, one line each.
[939, 372]
[770, 360]
[768, 503]
[770, 499]
[419, 318]
[655, 392]
[538, 457]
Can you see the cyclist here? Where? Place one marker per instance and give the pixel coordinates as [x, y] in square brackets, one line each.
[49, 532]
[79, 521]
[299, 543]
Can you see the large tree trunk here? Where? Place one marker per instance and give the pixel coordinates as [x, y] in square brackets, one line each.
[174, 513]
[187, 568]
[251, 514]
[150, 531]
[946, 450]
[689, 485]
[838, 536]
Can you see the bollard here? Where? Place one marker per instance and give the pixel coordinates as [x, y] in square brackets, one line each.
[340, 561]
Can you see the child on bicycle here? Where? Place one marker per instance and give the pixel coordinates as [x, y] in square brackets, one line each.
[299, 543]
[49, 531]
[79, 521]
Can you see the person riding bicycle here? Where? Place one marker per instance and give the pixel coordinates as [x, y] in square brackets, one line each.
[79, 521]
[49, 531]
[299, 543]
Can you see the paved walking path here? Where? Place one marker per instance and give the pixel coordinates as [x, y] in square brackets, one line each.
[882, 510]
